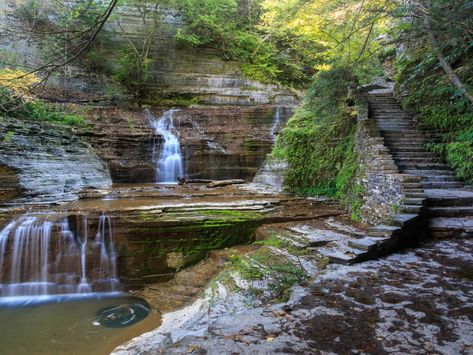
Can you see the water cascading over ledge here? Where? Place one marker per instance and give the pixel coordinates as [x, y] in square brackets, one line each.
[276, 123]
[43, 256]
[169, 158]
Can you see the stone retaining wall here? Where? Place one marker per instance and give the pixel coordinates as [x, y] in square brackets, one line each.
[378, 174]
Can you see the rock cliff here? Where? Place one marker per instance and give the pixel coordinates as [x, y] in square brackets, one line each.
[217, 142]
[47, 161]
[173, 70]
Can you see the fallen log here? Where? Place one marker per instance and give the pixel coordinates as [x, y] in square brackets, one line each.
[183, 181]
[220, 183]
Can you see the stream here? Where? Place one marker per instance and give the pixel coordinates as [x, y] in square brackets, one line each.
[82, 277]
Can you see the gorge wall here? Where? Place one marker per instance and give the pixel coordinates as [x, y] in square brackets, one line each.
[197, 73]
[226, 136]
[40, 160]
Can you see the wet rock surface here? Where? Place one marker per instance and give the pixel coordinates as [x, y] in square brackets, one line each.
[417, 301]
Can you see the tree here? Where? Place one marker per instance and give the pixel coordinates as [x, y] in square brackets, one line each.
[76, 28]
[442, 19]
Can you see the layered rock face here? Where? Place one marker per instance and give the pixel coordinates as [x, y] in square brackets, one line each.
[217, 142]
[50, 162]
[193, 72]
[10, 186]
[124, 140]
[173, 70]
[227, 143]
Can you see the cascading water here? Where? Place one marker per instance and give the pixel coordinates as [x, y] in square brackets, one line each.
[169, 161]
[39, 256]
[276, 123]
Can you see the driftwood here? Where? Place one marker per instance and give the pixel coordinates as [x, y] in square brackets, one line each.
[183, 181]
[210, 183]
[220, 183]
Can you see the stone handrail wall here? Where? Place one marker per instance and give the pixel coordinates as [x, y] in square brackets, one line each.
[378, 174]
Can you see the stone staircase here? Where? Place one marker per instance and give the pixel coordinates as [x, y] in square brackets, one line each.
[448, 204]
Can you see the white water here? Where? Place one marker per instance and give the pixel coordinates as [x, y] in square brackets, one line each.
[169, 163]
[276, 123]
[39, 256]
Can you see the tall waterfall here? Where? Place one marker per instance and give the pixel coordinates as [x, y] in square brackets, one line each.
[43, 257]
[276, 123]
[169, 161]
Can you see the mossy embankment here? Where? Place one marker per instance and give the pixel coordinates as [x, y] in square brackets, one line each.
[319, 140]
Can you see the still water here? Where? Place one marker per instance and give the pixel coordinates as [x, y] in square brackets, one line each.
[77, 324]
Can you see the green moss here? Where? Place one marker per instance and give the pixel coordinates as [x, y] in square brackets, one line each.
[279, 272]
[252, 144]
[318, 143]
[173, 101]
[8, 136]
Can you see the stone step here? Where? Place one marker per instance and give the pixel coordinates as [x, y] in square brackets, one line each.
[388, 113]
[429, 172]
[400, 133]
[339, 254]
[383, 231]
[442, 185]
[414, 191]
[410, 209]
[365, 244]
[391, 122]
[401, 159]
[449, 198]
[449, 202]
[405, 140]
[423, 166]
[412, 185]
[391, 115]
[439, 178]
[383, 102]
[404, 218]
[415, 195]
[414, 154]
[410, 149]
[390, 126]
[408, 143]
[451, 227]
[414, 201]
[450, 211]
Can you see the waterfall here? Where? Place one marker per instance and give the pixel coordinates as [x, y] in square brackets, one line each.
[43, 257]
[169, 161]
[276, 123]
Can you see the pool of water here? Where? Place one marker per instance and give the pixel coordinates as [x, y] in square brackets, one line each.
[80, 324]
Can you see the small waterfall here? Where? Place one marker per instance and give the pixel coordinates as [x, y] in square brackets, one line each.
[276, 123]
[169, 161]
[43, 257]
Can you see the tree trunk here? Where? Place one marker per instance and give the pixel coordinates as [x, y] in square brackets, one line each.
[454, 79]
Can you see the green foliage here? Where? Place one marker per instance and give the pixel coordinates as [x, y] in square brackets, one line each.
[41, 111]
[318, 142]
[14, 106]
[233, 30]
[427, 90]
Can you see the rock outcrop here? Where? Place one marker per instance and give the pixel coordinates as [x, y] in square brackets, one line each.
[50, 162]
